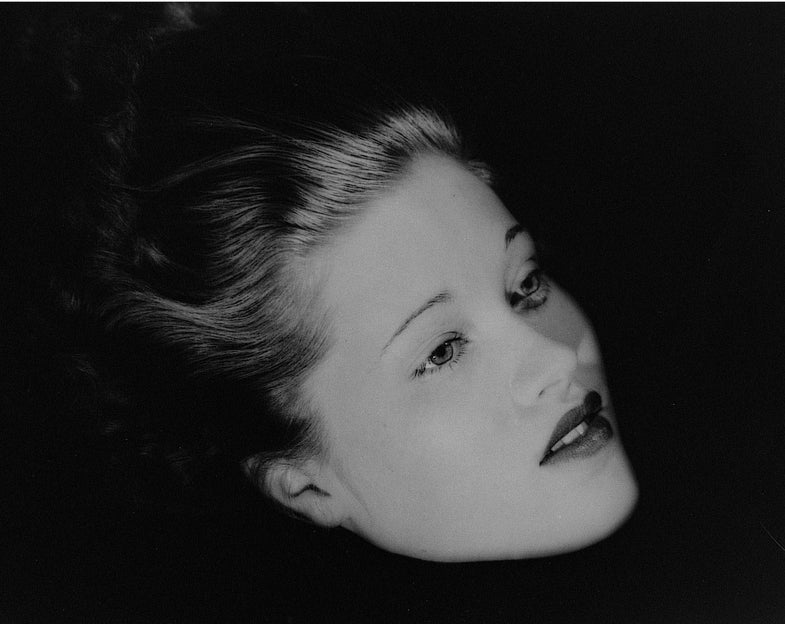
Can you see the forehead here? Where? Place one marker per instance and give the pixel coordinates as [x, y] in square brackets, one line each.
[439, 224]
[436, 204]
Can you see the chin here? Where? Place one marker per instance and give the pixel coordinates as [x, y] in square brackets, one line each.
[602, 523]
[582, 524]
[579, 523]
[594, 524]
[602, 514]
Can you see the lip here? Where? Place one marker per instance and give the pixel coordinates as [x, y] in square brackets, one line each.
[592, 403]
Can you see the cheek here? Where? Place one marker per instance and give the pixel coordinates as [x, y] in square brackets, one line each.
[429, 446]
[588, 351]
[461, 432]
[563, 321]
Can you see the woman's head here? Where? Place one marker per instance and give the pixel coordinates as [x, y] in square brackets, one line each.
[281, 245]
[454, 366]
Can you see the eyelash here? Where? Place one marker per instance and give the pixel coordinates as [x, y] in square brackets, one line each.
[519, 303]
[522, 303]
[455, 339]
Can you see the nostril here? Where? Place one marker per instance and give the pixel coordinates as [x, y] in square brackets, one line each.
[559, 389]
[544, 370]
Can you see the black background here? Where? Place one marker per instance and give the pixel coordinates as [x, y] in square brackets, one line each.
[646, 142]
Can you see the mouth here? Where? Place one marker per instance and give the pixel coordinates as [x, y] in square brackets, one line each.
[581, 432]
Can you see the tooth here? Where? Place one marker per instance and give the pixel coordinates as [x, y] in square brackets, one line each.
[571, 436]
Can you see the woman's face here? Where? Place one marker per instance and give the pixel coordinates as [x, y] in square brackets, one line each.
[452, 365]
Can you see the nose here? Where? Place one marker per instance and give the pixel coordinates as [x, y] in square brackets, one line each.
[545, 371]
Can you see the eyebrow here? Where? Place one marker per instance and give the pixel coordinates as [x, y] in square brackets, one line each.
[512, 233]
[442, 297]
[445, 297]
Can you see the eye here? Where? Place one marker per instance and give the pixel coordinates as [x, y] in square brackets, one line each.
[447, 353]
[531, 292]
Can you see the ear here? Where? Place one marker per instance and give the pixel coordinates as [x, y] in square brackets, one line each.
[305, 488]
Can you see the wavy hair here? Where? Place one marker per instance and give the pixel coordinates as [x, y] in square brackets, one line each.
[213, 179]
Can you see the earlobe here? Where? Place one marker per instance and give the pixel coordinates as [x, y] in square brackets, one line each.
[300, 487]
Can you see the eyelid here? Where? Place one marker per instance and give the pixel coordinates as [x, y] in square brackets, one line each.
[521, 246]
[455, 337]
[521, 271]
[522, 238]
[436, 342]
[525, 303]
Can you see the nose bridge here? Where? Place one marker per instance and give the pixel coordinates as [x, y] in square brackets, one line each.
[544, 368]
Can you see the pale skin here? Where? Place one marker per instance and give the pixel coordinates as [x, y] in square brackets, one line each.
[435, 428]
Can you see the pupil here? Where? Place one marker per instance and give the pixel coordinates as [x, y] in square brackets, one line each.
[442, 354]
[529, 282]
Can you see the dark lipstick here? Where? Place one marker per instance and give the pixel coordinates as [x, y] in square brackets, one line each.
[597, 431]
